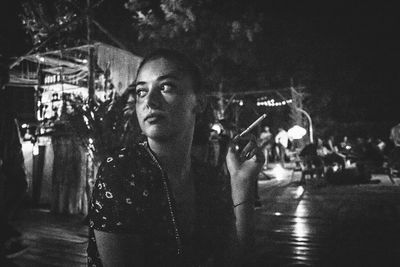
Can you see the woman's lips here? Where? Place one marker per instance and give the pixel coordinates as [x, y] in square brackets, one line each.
[152, 118]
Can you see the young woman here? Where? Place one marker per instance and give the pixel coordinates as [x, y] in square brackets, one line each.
[154, 204]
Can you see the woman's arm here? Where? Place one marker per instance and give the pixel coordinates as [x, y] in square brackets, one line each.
[244, 166]
[113, 220]
[245, 222]
[119, 249]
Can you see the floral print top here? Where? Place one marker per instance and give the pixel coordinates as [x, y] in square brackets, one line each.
[132, 195]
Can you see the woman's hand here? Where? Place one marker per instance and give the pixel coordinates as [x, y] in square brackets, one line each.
[244, 165]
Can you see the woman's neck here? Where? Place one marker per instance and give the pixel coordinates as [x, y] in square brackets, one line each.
[174, 155]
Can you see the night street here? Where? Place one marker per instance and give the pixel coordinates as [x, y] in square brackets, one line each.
[314, 225]
[126, 125]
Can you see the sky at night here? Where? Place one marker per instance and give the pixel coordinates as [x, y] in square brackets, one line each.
[359, 39]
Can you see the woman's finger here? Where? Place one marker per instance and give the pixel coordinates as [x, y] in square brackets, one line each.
[259, 155]
[248, 148]
[251, 153]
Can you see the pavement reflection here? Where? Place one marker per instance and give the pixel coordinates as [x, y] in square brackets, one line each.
[324, 225]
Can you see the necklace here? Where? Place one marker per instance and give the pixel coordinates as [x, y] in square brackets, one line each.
[168, 195]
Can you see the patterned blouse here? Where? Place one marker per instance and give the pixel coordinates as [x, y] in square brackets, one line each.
[132, 195]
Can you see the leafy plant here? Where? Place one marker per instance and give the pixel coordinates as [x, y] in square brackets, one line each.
[103, 126]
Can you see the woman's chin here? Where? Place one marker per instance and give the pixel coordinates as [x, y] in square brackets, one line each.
[157, 134]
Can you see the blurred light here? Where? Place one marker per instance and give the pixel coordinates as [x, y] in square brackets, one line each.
[348, 163]
[217, 127]
[278, 214]
[301, 210]
[24, 125]
[278, 172]
[299, 220]
[299, 192]
[90, 141]
[301, 228]
[297, 132]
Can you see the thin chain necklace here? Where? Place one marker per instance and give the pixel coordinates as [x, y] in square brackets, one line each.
[168, 194]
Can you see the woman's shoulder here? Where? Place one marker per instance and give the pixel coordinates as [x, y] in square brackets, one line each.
[121, 161]
[121, 176]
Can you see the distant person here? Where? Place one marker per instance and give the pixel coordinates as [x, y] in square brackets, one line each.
[312, 161]
[13, 183]
[345, 144]
[282, 142]
[331, 154]
[393, 159]
[395, 135]
[214, 147]
[331, 144]
[334, 147]
[360, 148]
[322, 149]
[265, 143]
[394, 152]
[364, 155]
[374, 155]
[381, 145]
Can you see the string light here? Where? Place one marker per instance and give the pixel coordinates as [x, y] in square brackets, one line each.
[272, 103]
[264, 101]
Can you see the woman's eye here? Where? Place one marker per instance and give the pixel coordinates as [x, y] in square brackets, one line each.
[141, 92]
[167, 87]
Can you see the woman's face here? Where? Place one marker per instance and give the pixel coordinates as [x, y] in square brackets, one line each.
[165, 100]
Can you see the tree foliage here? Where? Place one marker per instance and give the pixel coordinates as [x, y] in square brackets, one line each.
[62, 19]
[221, 35]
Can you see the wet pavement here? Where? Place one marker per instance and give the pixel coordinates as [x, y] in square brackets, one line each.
[324, 225]
[313, 225]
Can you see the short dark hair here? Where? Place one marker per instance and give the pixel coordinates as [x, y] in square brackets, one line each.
[181, 61]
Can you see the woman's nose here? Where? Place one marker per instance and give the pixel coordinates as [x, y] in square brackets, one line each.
[153, 99]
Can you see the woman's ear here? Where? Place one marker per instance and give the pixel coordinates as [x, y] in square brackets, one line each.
[201, 103]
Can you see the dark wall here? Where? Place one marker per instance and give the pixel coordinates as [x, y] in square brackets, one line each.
[21, 101]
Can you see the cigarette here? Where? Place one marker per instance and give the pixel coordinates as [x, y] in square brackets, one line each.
[253, 125]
